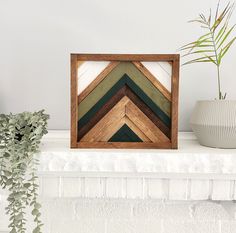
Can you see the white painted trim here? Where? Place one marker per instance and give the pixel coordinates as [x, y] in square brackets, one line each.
[150, 175]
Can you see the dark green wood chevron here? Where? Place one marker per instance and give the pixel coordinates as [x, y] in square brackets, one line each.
[125, 134]
[125, 80]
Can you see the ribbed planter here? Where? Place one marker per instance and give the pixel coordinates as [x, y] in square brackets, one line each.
[214, 123]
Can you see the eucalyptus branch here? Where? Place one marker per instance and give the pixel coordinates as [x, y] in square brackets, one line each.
[20, 137]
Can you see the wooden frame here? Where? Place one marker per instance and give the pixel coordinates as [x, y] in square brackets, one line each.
[173, 59]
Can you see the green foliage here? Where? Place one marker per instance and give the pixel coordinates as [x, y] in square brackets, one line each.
[20, 137]
[214, 44]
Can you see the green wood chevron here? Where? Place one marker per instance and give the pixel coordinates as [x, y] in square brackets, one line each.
[125, 80]
[125, 134]
[140, 80]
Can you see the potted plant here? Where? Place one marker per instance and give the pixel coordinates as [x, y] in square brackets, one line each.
[20, 137]
[213, 121]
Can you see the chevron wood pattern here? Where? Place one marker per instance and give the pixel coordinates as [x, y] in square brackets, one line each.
[155, 81]
[125, 68]
[124, 101]
[125, 134]
[115, 118]
[92, 119]
[161, 70]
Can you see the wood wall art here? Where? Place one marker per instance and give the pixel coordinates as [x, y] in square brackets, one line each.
[124, 100]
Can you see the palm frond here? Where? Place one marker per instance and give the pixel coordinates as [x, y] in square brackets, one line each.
[212, 46]
[225, 49]
[199, 51]
[215, 40]
[224, 37]
[201, 59]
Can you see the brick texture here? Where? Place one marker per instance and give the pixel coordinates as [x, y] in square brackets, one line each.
[131, 205]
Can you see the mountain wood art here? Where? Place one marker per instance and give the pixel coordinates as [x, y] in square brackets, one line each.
[124, 101]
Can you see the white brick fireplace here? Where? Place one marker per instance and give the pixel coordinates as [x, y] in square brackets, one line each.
[191, 190]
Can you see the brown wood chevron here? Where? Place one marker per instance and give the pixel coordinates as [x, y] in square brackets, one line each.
[136, 130]
[144, 123]
[97, 80]
[148, 112]
[153, 79]
[115, 118]
[109, 124]
[101, 113]
[124, 91]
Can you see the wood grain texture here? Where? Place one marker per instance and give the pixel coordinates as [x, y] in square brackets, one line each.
[79, 63]
[144, 123]
[125, 134]
[88, 71]
[109, 124]
[74, 104]
[125, 80]
[172, 59]
[148, 112]
[175, 102]
[135, 129]
[83, 129]
[161, 70]
[115, 118]
[140, 80]
[125, 145]
[153, 79]
[124, 91]
[126, 57]
[97, 80]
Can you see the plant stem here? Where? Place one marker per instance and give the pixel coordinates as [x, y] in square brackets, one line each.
[219, 84]
[217, 60]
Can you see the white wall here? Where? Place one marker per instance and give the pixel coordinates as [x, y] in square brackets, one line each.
[36, 38]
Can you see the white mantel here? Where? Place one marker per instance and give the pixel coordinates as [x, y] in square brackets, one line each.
[192, 172]
[153, 191]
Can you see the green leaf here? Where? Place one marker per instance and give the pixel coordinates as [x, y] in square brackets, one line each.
[197, 60]
[35, 212]
[221, 32]
[225, 37]
[19, 217]
[225, 49]
[36, 230]
[37, 206]
[212, 60]
[198, 51]
[221, 17]
[198, 21]
[27, 185]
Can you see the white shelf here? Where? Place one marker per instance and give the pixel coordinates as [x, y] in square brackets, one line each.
[192, 172]
[190, 158]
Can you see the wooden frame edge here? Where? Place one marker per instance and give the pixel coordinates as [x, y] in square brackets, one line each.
[175, 101]
[126, 57]
[74, 100]
[125, 145]
[173, 58]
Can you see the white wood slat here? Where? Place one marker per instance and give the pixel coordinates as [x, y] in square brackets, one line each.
[88, 71]
[162, 71]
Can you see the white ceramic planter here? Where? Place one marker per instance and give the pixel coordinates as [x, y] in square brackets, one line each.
[214, 123]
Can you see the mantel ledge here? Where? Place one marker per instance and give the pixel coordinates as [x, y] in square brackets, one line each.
[192, 172]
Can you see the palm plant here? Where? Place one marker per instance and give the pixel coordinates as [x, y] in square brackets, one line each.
[213, 45]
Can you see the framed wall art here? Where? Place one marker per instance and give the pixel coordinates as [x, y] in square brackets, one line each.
[124, 100]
